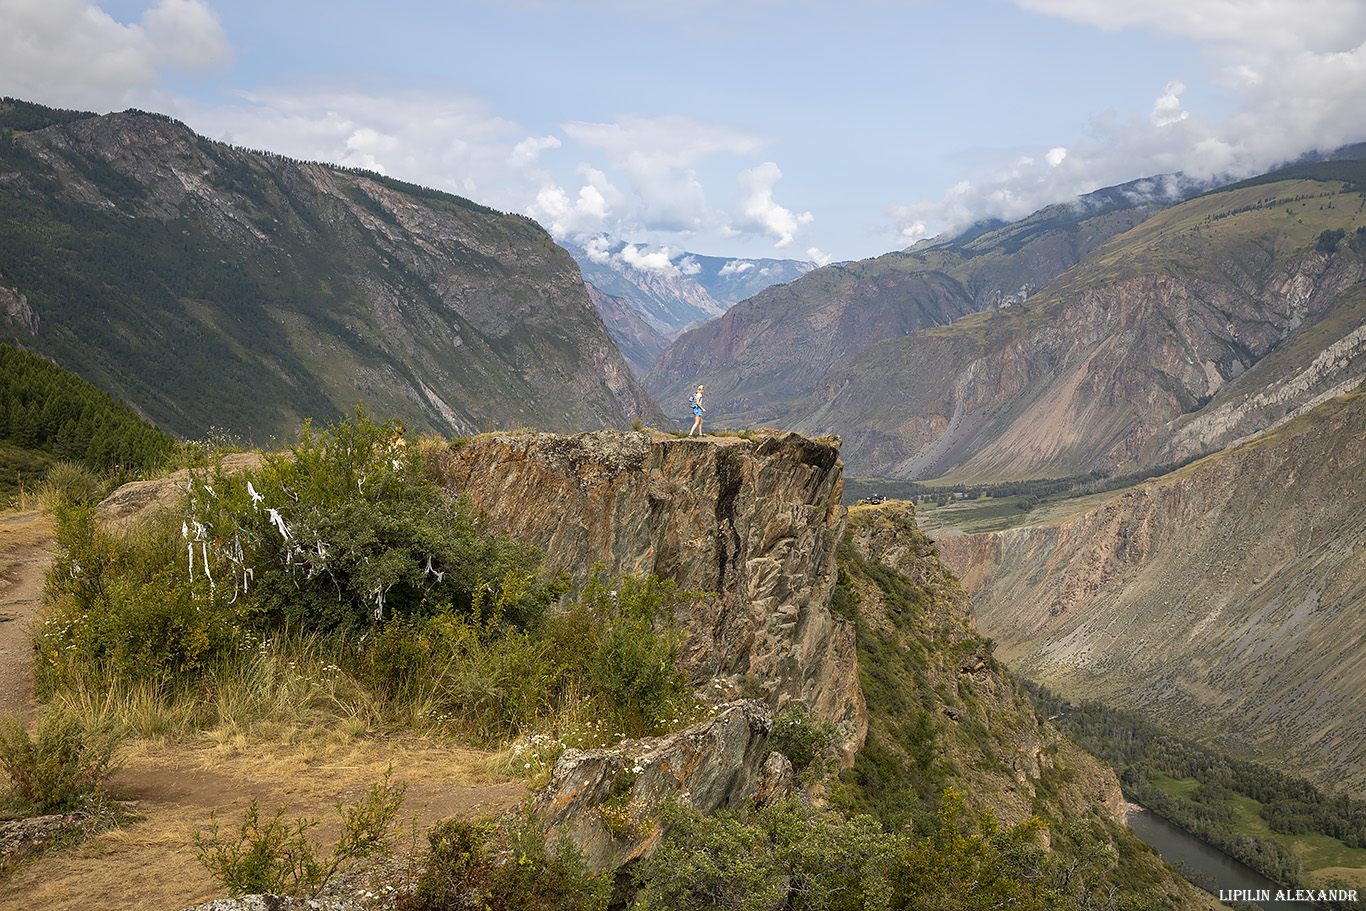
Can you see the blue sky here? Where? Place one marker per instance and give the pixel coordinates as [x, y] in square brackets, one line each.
[748, 128]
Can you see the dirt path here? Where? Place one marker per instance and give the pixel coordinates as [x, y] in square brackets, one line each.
[151, 864]
[25, 554]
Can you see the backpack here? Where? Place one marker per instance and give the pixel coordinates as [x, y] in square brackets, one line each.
[692, 400]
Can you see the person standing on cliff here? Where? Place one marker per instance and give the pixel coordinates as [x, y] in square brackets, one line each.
[697, 411]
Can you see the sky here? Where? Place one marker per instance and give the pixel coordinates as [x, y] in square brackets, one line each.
[748, 128]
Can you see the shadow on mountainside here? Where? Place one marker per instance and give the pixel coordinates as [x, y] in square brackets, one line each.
[174, 786]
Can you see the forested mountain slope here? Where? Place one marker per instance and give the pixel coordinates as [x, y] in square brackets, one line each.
[210, 286]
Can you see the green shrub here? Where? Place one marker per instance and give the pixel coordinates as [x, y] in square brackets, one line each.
[281, 857]
[128, 607]
[783, 856]
[70, 482]
[635, 667]
[67, 764]
[967, 865]
[802, 740]
[480, 865]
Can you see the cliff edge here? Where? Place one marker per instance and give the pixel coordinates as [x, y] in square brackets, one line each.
[752, 524]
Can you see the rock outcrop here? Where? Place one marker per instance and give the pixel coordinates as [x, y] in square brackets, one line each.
[752, 524]
[609, 801]
[984, 724]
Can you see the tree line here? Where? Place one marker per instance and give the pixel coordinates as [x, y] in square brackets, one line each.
[48, 409]
[1140, 751]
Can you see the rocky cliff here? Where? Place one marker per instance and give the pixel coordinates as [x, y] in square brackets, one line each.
[1156, 347]
[770, 350]
[1224, 599]
[851, 613]
[750, 524]
[209, 286]
[932, 678]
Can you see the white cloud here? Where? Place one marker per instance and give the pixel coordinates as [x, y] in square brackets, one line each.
[1296, 74]
[187, 35]
[1314, 24]
[659, 157]
[72, 53]
[1167, 109]
[816, 256]
[758, 210]
[587, 216]
[657, 261]
[735, 267]
[598, 249]
[526, 152]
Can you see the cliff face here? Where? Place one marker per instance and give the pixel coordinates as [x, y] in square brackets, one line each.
[751, 524]
[769, 351]
[1141, 356]
[1223, 599]
[209, 286]
[1003, 755]
[639, 342]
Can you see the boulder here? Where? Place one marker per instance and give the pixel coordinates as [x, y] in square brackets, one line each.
[609, 801]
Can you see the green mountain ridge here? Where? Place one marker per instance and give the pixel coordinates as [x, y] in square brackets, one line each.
[208, 286]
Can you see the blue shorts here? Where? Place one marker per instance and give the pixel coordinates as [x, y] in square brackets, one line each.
[696, 410]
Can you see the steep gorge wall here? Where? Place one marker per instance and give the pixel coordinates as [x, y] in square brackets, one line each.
[753, 525]
[1224, 599]
[1005, 756]
[1121, 375]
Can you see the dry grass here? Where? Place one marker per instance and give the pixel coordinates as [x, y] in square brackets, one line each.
[151, 864]
[21, 529]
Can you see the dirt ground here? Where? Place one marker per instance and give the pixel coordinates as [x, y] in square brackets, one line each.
[173, 787]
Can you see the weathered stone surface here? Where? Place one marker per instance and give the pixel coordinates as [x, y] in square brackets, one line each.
[269, 902]
[713, 765]
[22, 838]
[752, 524]
[137, 501]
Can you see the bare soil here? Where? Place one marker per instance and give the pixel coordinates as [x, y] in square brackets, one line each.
[173, 787]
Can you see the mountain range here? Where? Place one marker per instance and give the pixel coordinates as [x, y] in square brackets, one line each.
[215, 287]
[1222, 600]
[1146, 325]
[1131, 337]
[648, 298]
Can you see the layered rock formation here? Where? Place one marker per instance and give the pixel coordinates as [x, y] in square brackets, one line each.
[1148, 352]
[772, 349]
[1224, 599]
[751, 524]
[609, 801]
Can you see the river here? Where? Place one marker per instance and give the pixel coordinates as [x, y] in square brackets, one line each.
[1219, 871]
